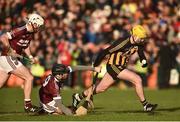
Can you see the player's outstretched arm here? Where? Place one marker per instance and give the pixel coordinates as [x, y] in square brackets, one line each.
[81, 68]
[100, 57]
[115, 46]
[62, 107]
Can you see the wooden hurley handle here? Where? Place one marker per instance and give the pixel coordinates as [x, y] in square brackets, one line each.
[89, 93]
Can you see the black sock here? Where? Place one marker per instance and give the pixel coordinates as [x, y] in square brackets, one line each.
[144, 102]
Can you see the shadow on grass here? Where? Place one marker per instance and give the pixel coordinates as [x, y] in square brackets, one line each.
[118, 111]
[98, 108]
[97, 112]
[125, 112]
[136, 111]
[169, 109]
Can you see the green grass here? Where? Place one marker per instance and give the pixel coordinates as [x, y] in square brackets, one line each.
[112, 105]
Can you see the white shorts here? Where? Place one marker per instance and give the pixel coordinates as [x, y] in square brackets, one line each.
[8, 63]
[49, 107]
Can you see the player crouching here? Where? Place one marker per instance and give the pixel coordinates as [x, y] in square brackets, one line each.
[49, 93]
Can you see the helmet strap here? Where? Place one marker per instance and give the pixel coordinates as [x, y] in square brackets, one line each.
[57, 80]
[133, 39]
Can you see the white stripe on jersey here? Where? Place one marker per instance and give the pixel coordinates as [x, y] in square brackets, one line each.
[56, 98]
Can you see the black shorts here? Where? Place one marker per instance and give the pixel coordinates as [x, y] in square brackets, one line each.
[114, 70]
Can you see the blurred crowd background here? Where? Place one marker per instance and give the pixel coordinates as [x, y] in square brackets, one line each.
[76, 30]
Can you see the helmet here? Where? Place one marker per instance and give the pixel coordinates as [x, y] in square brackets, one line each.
[139, 31]
[59, 69]
[36, 19]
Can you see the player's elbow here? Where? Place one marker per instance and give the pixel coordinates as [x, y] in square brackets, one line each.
[4, 40]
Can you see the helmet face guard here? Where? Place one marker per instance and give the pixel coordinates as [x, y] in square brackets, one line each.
[59, 69]
[36, 20]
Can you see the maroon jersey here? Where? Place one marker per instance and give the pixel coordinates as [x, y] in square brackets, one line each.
[49, 89]
[19, 39]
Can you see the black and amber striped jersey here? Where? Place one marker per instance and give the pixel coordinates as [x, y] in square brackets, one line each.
[120, 52]
[121, 58]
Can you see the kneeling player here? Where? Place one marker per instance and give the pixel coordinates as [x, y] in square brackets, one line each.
[50, 99]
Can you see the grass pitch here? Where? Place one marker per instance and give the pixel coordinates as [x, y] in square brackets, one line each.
[112, 105]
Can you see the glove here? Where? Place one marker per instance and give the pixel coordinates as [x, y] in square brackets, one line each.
[33, 60]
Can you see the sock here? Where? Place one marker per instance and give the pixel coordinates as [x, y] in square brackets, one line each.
[27, 103]
[144, 102]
